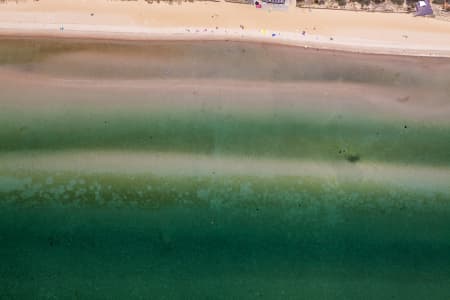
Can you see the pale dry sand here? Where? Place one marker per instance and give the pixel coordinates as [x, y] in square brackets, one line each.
[354, 31]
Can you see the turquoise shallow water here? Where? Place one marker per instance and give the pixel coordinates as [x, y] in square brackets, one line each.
[252, 196]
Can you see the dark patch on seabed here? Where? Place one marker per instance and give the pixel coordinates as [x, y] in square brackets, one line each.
[77, 223]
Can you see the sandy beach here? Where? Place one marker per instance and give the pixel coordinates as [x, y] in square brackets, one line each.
[342, 30]
[172, 167]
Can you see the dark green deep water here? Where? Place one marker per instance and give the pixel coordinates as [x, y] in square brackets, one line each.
[71, 230]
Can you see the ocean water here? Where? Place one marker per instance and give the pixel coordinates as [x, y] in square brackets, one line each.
[221, 170]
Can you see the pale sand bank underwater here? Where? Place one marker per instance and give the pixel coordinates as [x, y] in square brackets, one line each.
[145, 169]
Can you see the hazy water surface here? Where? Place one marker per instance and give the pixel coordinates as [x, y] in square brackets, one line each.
[221, 170]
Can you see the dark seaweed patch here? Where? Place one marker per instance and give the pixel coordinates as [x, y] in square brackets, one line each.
[352, 157]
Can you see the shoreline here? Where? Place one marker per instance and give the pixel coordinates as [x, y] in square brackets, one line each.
[356, 32]
[286, 38]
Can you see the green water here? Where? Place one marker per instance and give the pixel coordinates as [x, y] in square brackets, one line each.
[215, 132]
[247, 237]
[369, 220]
